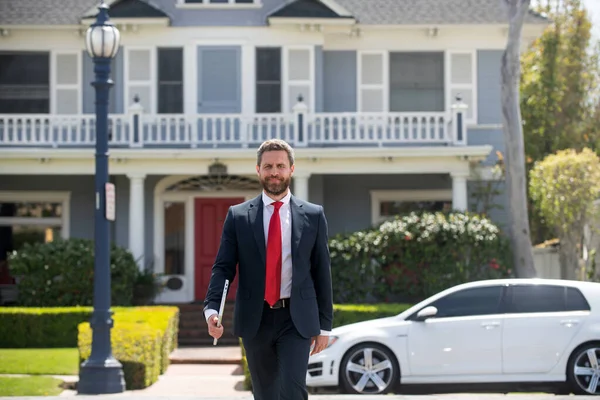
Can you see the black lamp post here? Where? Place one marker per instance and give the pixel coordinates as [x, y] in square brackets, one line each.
[101, 373]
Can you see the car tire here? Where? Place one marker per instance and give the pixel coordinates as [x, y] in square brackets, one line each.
[579, 383]
[373, 381]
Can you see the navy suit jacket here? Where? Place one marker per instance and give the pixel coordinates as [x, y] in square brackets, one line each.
[243, 244]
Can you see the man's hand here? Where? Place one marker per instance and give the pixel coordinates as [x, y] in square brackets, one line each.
[214, 330]
[320, 343]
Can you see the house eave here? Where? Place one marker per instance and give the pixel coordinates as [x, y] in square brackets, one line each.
[279, 21]
[130, 21]
[472, 153]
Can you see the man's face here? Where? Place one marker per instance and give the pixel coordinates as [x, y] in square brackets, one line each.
[275, 172]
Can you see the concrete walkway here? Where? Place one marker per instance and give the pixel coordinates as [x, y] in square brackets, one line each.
[207, 355]
[199, 381]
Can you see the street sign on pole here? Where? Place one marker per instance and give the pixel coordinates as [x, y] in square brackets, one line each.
[110, 201]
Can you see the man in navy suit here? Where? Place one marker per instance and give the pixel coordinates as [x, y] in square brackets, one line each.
[284, 301]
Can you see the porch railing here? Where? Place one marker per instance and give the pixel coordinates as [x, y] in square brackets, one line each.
[301, 128]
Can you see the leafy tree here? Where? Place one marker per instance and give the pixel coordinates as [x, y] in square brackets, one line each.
[564, 187]
[559, 90]
[516, 188]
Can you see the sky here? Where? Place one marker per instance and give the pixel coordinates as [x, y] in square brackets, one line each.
[593, 7]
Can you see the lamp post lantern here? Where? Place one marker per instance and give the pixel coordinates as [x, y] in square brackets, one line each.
[101, 373]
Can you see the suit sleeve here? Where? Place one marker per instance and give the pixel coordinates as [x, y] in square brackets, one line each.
[321, 274]
[225, 264]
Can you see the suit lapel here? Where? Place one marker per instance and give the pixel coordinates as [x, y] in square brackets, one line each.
[298, 222]
[255, 216]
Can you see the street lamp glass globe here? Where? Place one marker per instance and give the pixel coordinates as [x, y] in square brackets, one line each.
[102, 41]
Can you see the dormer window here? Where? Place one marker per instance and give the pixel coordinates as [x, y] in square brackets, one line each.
[219, 3]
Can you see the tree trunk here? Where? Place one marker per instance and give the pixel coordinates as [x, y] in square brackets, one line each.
[569, 259]
[515, 148]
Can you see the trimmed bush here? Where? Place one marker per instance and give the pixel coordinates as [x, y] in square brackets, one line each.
[165, 319]
[136, 345]
[41, 327]
[417, 255]
[345, 314]
[58, 327]
[61, 274]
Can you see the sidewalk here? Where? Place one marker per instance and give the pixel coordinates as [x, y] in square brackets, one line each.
[198, 381]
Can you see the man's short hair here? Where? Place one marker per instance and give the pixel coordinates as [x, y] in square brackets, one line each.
[275, 145]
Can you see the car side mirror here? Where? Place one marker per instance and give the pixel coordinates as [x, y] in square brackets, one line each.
[426, 313]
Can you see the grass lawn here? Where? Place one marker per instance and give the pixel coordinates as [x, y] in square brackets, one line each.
[39, 361]
[30, 386]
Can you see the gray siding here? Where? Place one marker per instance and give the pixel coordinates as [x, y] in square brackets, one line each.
[347, 198]
[115, 101]
[499, 213]
[489, 86]
[487, 136]
[340, 85]
[218, 17]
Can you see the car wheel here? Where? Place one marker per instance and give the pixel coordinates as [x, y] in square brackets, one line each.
[583, 372]
[369, 368]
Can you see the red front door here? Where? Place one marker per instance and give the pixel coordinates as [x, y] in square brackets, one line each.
[209, 217]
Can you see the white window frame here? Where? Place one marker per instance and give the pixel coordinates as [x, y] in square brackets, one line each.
[29, 196]
[152, 82]
[55, 86]
[471, 87]
[378, 196]
[384, 86]
[286, 83]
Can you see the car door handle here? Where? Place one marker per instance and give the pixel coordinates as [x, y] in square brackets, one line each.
[569, 322]
[490, 325]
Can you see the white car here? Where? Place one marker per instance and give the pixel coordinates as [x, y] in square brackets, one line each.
[494, 331]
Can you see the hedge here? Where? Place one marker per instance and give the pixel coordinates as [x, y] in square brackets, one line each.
[343, 314]
[58, 327]
[136, 345]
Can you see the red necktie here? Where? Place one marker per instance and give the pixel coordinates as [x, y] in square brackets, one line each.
[273, 275]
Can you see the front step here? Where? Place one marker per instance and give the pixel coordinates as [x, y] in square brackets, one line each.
[193, 331]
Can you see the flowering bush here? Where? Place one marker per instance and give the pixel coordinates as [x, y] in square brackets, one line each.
[417, 255]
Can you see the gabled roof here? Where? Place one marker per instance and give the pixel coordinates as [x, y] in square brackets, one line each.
[309, 9]
[131, 9]
[369, 12]
[420, 12]
[71, 12]
[406, 12]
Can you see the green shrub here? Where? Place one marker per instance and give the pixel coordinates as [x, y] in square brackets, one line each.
[417, 255]
[57, 327]
[165, 319]
[41, 327]
[345, 314]
[136, 345]
[61, 274]
[247, 378]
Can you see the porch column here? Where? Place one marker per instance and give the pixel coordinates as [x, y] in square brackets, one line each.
[460, 196]
[301, 186]
[136, 217]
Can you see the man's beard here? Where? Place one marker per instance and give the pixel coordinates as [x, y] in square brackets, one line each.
[275, 186]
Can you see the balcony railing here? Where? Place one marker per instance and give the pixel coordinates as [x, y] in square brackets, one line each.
[300, 128]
